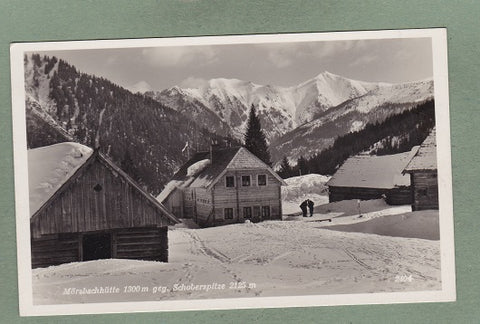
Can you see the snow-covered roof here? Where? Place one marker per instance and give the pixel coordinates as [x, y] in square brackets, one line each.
[206, 175]
[192, 170]
[200, 171]
[169, 188]
[197, 167]
[50, 167]
[426, 157]
[366, 171]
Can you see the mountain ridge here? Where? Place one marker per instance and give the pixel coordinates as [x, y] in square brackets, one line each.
[297, 103]
[285, 111]
[138, 133]
[300, 120]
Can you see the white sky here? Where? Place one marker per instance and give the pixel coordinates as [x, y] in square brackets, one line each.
[284, 64]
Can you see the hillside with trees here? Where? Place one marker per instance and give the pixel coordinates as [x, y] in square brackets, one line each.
[396, 134]
[138, 133]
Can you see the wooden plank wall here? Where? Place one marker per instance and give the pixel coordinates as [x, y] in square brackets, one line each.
[188, 203]
[425, 190]
[400, 196]
[174, 203]
[54, 250]
[81, 208]
[204, 203]
[141, 244]
[130, 243]
[238, 197]
[346, 193]
[395, 196]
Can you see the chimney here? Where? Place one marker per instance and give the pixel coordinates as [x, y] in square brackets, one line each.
[211, 154]
[213, 147]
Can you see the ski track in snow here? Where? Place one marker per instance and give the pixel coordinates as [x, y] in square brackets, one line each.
[297, 257]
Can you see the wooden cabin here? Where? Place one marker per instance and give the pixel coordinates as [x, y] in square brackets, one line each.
[83, 207]
[224, 186]
[368, 177]
[423, 175]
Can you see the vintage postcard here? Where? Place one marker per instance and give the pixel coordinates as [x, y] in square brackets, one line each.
[228, 172]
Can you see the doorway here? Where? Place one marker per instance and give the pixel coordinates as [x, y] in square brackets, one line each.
[97, 246]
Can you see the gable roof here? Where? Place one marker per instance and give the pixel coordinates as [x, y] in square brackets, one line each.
[426, 157]
[232, 158]
[50, 168]
[366, 171]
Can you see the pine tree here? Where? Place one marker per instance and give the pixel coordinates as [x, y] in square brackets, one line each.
[285, 168]
[302, 165]
[255, 140]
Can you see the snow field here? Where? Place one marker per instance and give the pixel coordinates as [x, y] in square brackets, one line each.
[296, 256]
[272, 258]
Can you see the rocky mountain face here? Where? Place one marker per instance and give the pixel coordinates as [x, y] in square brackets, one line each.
[351, 115]
[299, 120]
[281, 109]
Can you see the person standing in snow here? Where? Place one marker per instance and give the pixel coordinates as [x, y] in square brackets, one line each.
[310, 206]
[304, 206]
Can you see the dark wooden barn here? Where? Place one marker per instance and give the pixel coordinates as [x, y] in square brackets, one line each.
[224, 186]
[368, 177]
[423, 175]
[83, 207]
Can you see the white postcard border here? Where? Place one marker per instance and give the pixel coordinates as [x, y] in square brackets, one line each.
[448, 292]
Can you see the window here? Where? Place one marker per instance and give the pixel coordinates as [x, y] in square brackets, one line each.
[245, 181]
[230, 181]
[98, 187]
[265, 212]
[247, 212]
[262, 180]
[256, 211]
[228, 213]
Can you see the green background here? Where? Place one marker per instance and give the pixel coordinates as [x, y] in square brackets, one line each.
[77, 20]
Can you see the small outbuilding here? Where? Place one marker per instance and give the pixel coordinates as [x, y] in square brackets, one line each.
[83, 207]
[224, 186]
[368, 177]
[423, 175]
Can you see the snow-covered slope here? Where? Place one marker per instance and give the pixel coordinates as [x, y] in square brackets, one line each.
[281, 109]
[325, 91]
[223, 104]
[351, 115]
[37, 81]
[229, 100]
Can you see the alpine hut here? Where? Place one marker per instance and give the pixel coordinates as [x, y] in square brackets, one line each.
[367, 177]
[224, 186]
[83, 207]
[423, 175]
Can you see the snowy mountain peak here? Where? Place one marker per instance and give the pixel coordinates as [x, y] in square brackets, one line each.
[226, 83]
[174, 89]
[327, 75]
[281, 109]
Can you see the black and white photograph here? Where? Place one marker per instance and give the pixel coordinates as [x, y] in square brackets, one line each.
[282, 170]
